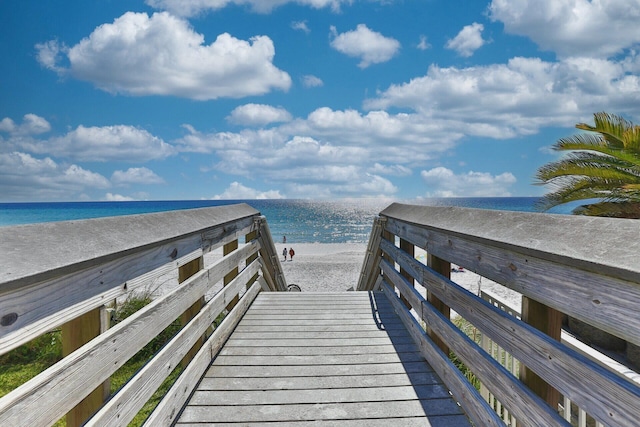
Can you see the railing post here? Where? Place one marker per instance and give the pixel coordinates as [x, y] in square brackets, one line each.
[549, 321]
[410, 250]
[184, 272]
[248, 238]
[444, 268]
[75, 334]
[226, 250]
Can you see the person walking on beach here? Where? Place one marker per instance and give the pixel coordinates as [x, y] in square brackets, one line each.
[284, 239]
[284, 253]
[291, 254]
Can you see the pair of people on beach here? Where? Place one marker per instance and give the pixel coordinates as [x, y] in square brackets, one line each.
[291, 253]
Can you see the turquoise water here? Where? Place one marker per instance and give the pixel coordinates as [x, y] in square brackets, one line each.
[303, 221]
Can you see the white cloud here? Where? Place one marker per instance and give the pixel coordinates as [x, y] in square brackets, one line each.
[24, 177]
[162, 55]
[300, 26]
[311, 81]
[443, 182]
[110, 197]
[135, 176]
[517, 98]
[395, 170]
[594, 28]
[468, 40]
[371, 47]
[237, 191]
[31, 125]
[258, 115]
[102, 144]
[336, 153]
[423, 44]
[195, 7]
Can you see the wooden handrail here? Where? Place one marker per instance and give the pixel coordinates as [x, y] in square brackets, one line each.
[109, 258]
[584, 267]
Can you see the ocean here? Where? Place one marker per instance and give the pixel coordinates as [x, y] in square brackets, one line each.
[301, 221]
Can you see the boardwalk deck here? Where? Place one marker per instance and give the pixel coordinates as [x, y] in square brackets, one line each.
[301, 358]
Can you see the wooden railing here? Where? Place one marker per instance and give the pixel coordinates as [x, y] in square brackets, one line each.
[582, 267]
[64, 275]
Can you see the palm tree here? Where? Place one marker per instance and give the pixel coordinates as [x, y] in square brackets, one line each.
[604, 165]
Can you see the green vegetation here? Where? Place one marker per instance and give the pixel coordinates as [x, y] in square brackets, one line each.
[28, 360]
[603, 164]
[470, 331]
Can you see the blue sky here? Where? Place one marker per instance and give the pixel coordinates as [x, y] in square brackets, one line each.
[244, 99]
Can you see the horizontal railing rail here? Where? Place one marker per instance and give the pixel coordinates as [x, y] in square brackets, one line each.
[586, 268]
[76, 268]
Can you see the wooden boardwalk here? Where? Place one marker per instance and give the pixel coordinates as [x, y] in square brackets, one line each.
[342, 359]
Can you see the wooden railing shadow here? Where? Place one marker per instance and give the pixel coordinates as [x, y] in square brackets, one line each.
[427, 385]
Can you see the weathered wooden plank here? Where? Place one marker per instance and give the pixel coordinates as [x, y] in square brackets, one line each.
[318, 342]
[328, 382]
[97, 241]
[272, 270]
[372, 256]
[314, 327]
[321, 411]
[312, 335]
[294, 361]
[311, 316]
[317, 396]
[285, 323]
[317, 371]
[166, 411]
[318, 351]
[433, 421]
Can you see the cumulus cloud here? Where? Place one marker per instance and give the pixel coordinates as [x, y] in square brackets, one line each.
[311, 81]
[443, 182]
[24, 177]
[258, 115]
[102, 144]
[237, 191]
[195, 7]
[162, 55]
[370, 46]
[423, 44]
[31, 125]
[317, 153]
[516, 98]
[136, 176]
[598, 28]
[468, 40]
[300, 26]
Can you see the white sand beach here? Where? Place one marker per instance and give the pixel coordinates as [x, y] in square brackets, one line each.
[336, 267]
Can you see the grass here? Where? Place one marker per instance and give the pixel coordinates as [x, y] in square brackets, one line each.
[25, 362]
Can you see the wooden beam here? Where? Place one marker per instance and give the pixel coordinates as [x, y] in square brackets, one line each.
[248, 238]
[549, 321]
[184, 272]
[444, 268]
[75, 334]
[227, 249]
[407, 247]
